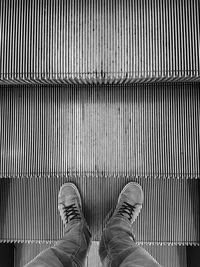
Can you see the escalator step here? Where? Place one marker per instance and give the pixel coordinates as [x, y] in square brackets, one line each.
[99, 41]
[170, 214]
[167, 256]
[115, 130]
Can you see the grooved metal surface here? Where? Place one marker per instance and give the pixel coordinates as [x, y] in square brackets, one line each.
[58, 41]
[24, 253]
[167, 256]
[170, 213]
[138, 130]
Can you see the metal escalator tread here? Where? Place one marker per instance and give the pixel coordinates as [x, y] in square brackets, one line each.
[140, 130]
[99, 41]
[170, 213]
[167, 256]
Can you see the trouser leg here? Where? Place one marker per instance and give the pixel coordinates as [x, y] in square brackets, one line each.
[118, 247]
[70, 251]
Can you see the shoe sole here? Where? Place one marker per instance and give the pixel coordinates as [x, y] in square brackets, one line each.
[75, 188]
[125, 187]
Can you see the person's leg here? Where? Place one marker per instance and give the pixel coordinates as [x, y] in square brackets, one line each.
[117, 245]
[72, 249]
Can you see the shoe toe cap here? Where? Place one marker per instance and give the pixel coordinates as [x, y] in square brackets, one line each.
[69, 194]
[133, 193]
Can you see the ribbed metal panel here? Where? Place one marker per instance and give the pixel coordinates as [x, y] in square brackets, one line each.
[58, 41]
[26, 252]
[167, 256]
[170, 214]
[150, 131]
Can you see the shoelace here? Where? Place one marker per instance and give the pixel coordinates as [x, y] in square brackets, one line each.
[71, 212]
[128, 209]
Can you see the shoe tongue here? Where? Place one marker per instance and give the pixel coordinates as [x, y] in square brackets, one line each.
[72, 212]
[127, 216]
[128, 211]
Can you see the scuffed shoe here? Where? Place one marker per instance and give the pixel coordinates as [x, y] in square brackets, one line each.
[69, 204]
[129, 203]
